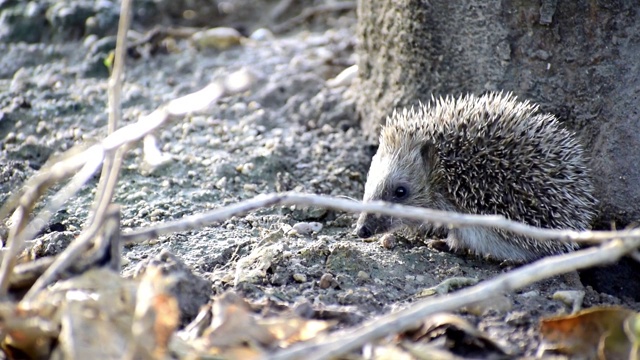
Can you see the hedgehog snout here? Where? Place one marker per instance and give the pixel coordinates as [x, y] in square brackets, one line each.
[363, 232]
[371, 224]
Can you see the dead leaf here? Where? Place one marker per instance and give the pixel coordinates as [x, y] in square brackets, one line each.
[632, 330]
[458, 335]
[236, 332]
[88, 314]
[27, 334]
[157, 314]
[233, 325]
[592, 333]
[87, 334]
[292, 330]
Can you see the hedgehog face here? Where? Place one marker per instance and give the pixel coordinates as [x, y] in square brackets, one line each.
[399, 176]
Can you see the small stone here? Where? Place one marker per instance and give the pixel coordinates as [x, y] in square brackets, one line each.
[250, 188]
[530, 294]
[90, 40]
[20, 81]
[261, 34]
[301, 278]
[124, 261]
[388, 241]
[245, 169]
[517, 318]
[304, 309]
[572, 298]
[199, 121]
[500, 304]
[363, 276]
[240, 80]
[304, 228]
[222, 183]
[31, 140]
[326, 281]
[218, 38]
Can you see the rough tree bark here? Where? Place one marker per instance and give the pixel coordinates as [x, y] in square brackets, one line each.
[579, 60]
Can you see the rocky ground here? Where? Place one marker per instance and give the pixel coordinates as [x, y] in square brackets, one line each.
[290, 131]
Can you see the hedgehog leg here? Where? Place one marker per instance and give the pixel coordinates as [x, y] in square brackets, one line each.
[488, 242]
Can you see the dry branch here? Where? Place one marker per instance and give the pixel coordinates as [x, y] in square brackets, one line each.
[89, 161]
[113, 161]
[436, 217]
[513, 280]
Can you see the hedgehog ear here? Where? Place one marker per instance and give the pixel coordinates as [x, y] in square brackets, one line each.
[428, 153]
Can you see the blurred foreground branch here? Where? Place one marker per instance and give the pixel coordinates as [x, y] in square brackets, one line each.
[408, 318]
[90, 160]
[436, 217]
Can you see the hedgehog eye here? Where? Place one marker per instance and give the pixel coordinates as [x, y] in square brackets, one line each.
[400, 192]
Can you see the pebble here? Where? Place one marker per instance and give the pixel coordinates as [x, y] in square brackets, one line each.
[517, 318]
[250, 187]
[222, 183]
[326, 281]
[304, 228]
[304, 309]
[245, 169]
[388, 241]
[31, 140]
[530, 294]
[240, 80]
[199, 121]
[500, 304]
[301, 278]
[571, 298]
[218, 38]
[364, 276]
[261, 34]
[20, 81]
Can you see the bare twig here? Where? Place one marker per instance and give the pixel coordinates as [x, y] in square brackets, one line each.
[513, 280]
[109, 228]
[71, 162]
[60, 198]
[409, 212]
[111, 166]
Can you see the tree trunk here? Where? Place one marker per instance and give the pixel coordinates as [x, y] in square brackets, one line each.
[579, 60]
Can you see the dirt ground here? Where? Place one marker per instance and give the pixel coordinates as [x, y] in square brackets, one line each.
[289, 131]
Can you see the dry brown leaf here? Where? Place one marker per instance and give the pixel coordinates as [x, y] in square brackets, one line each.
[592, 333]
[26, 333]
[291, 330]
[157, 314]
[86, 333]
[458, 334]
[196, 328]
[235, 332]
[90, 313]
[234, 325]
[632, 330]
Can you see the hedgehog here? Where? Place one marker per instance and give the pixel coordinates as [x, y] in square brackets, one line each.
[489, 154]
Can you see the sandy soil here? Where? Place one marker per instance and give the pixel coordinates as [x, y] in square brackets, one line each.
[290, 131]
